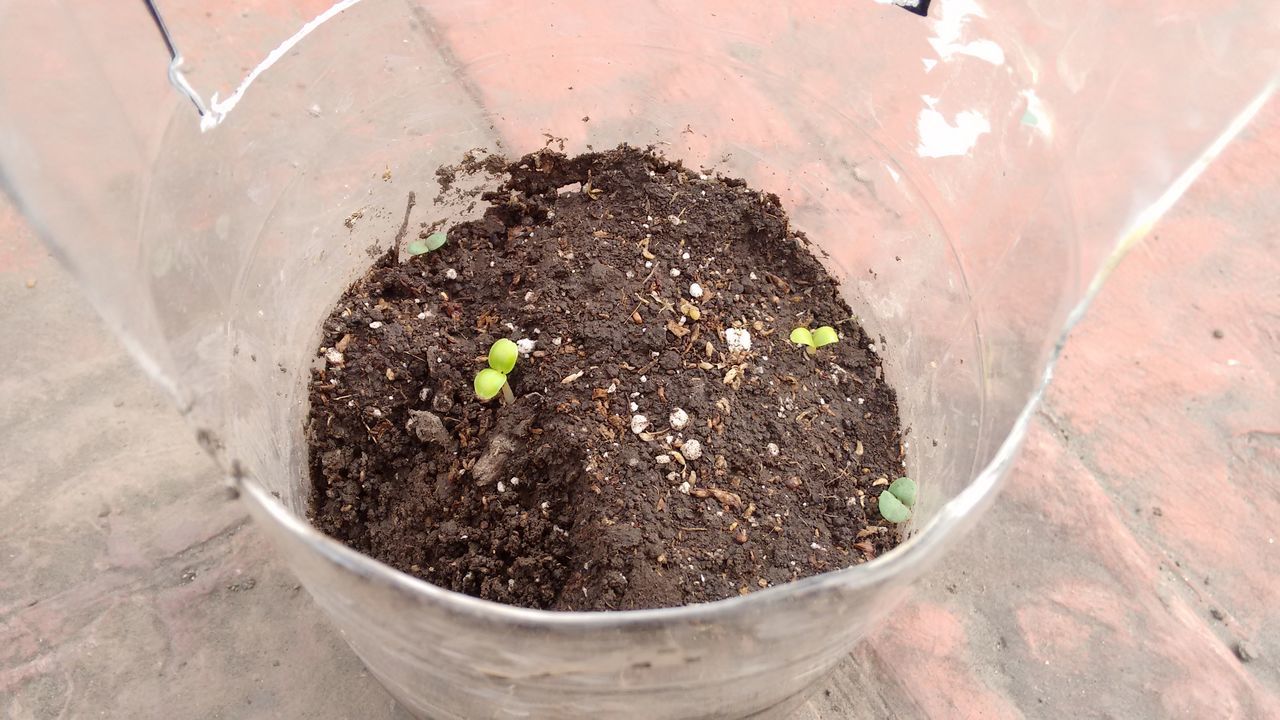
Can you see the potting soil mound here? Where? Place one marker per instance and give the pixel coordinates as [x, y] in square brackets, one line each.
[667, 443]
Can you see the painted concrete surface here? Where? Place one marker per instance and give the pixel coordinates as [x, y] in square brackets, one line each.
[1130, 559]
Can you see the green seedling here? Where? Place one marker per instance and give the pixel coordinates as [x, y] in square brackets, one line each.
[897, 500]
[493, 379]
[502, 356]
[490, 382]
[430, 243]
[812, 340]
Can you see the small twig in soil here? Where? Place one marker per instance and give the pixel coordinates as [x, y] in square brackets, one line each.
[404, 226]
[370, 431]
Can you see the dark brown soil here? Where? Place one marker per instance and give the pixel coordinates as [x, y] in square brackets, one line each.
[553, 501]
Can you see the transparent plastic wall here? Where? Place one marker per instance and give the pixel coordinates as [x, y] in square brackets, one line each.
[968, 176]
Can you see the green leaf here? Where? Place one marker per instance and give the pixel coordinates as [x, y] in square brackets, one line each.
[892, 509]
[435, 241]
[489, 383]
[502, 356]
[801, 336]
[825, 335]
[417, 247]
[904, 488]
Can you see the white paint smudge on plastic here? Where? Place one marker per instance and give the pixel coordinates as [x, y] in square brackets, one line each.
[220, 108]
[941, 138]
[949, 28]
[1037, 114]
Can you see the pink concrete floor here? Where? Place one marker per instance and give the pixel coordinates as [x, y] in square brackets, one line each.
[1131, 555]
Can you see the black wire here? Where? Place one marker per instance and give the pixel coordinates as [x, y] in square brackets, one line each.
[921, 8]
[164, 29]
[173, 52]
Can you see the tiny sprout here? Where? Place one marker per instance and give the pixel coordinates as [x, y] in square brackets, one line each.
[493, 379]
[824, 335]
[489, 383]
[897, 500]
[502, 355]
[432, 242]
[904, 488]
[802, 336]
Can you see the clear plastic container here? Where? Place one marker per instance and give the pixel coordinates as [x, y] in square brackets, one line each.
[971, 176]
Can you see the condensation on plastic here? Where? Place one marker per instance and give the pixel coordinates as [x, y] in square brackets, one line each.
[969, 176]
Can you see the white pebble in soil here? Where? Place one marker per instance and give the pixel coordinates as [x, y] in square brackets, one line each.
[451, 274]
[738, 339]
[639, 423]
[685, 487]
[662, 459]
[773, 449]
[675, 272]
[525, 345]
[679, 419]
[695, 290]
[334, 356]
[691, 450]
[375, 325]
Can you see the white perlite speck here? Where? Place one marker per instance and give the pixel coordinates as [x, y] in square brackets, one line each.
[451, 274]
[679, 418]
[639, 423]
[773, 449]
[334, 356]
[739, 340]
[675, 272]
[662, 459]
[691, 450]
[695, 290]
[685, 487]
[525, 345]
[634, 407]
[375, 325]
